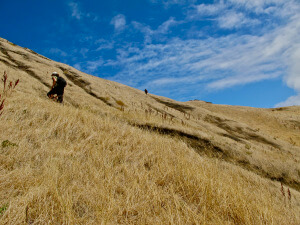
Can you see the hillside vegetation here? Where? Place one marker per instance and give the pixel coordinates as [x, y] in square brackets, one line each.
[113, 155]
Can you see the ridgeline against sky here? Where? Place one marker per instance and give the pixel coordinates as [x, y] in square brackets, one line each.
[236, 52]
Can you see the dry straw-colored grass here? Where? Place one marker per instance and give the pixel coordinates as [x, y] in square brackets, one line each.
[71, 166]
[152, 162]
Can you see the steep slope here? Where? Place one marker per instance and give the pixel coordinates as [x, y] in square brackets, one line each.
[112, 154]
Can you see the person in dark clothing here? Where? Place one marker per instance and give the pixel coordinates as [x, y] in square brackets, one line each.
[57, 88]
[146, 91]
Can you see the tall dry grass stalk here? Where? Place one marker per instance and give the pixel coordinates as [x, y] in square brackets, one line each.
[75, 166]
[7, 89]
[1, 104]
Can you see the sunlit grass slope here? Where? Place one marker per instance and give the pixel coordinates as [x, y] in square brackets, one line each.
[72, 166]
[113, 155]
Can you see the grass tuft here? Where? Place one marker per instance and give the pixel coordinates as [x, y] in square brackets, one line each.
[120, 103]
[7, 90]
[7, 143]
[3, 209]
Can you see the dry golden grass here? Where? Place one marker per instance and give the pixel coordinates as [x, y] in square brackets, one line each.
[87, 162]
[280, 123]
[71, 166]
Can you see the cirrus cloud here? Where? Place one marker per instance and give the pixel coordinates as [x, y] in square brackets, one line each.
[119, 22]
[213, 47]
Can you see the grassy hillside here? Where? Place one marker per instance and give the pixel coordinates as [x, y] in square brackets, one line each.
[113, 155]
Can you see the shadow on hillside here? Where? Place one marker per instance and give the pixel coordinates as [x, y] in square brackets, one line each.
[280, 109]
[20, 65]
[180, 107]
[199, 144]
[238, 133]
[83, 84]
[12, 62]
[207, 148]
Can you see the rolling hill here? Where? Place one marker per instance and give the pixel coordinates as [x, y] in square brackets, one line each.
[113, 155]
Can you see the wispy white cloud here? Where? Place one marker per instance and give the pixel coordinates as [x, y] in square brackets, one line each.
[291, 101]
[168, 3]
[58, 52]
[240, 13]
[292, 79]
[79, 14]
[271, 49]
[214, 63]
[94, 65]
[176, 81]
[165, 26]
[234, 19]
[76, 13]
[119, 22]
[84, 51]
[257, 6]
[104, 44]
[149, 33]
[145, 29]
[231, 81]
[209, 9]
[90, 66]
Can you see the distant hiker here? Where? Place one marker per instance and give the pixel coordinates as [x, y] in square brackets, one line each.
[57, 88]
[146, 91]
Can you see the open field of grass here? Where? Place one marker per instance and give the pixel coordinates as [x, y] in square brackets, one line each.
[112, 155]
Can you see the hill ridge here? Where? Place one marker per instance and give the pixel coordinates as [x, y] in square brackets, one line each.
[101, 118]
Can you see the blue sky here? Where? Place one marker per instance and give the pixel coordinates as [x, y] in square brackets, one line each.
[236, 52]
